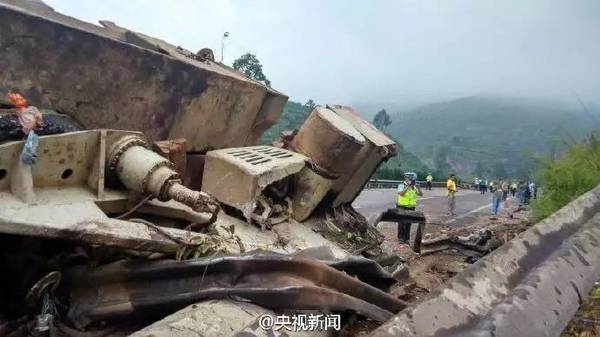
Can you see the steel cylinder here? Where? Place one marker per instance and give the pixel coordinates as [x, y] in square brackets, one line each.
[330, 141]
[144, 171]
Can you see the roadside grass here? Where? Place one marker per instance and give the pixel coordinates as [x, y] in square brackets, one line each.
[562, 181]
[586, 321]
[565, 179]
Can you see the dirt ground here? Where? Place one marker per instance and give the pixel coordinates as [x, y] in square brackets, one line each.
[431, 271]
[428, 272]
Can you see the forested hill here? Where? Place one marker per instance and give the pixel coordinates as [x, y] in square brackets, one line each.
[292, 117]
[490, 136]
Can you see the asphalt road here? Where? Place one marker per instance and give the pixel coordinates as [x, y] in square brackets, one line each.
[433, 203]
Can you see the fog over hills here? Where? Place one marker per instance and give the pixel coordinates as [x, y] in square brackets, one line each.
[480, 135]
[489, 135]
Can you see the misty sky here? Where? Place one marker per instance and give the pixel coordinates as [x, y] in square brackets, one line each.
[399, 52]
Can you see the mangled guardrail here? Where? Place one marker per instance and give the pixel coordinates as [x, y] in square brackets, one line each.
[531, 286]
[134, 288]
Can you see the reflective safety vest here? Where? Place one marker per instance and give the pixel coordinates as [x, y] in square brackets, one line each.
[409, 199]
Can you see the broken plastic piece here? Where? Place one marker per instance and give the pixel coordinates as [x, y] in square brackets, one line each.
[29, 153]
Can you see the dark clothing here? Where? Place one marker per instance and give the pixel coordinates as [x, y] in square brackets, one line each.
[404, 226]
[526, 195]
[428, 184]
[482, 188]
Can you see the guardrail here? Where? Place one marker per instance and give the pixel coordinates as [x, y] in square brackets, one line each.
[383, 183]
[531, 286]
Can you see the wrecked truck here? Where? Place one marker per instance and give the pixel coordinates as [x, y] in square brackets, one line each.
[141, 203]
[147, 197]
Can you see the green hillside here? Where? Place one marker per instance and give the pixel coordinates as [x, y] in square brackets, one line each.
[404, 161]
[292, 117]
[490, 136]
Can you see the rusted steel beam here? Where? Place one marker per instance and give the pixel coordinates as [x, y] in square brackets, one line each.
[130, 288]
[531, 286]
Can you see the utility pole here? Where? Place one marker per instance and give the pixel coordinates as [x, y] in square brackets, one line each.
[225, 35]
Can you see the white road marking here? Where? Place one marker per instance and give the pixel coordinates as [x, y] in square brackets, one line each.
[444, 196]
[465, 214]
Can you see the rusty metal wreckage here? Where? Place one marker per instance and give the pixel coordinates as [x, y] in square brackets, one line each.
[103, 217]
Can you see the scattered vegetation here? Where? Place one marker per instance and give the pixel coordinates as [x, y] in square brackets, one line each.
[563, 180]
[585, 323]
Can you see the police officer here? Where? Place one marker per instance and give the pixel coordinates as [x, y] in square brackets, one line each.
[407, 199]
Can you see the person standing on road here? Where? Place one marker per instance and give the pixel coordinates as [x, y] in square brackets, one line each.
[526, 193]
[513, 189]
[496, 200]
[407, 199]
[482, 186]
[429, 181]
[451, 187]
[521, 192]
[504, 187]
[532, 190]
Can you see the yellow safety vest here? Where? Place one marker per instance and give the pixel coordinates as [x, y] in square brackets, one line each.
[409, 199]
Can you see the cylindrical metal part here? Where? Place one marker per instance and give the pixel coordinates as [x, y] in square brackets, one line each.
[329, 140]
[197, 200]
[144, 171]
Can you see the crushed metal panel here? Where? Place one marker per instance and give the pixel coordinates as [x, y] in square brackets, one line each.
[62, 191]
[378, 147]
[531, 286]
[87, 69]
[128, 288]
[237, 176]
[66, 160]
[268, 116]
[299, 236]
[309, 189]
[329, 141]
[367, 129]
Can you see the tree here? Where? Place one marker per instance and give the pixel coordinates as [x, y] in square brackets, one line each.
[310, 105]
[250, 66]
[382, 120]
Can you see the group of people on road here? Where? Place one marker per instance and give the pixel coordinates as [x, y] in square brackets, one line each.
[500, 190]
[408, 191]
